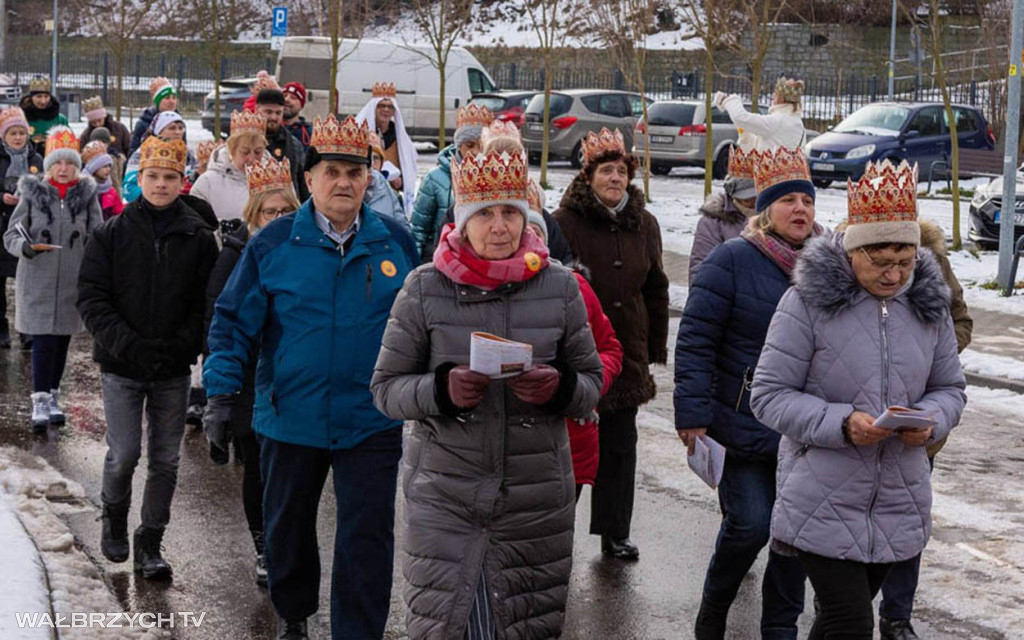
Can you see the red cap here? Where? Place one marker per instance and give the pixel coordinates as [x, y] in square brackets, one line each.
[297, 90]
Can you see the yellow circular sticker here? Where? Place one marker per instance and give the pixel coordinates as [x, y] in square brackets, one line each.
[31, 129]
[113, 139]
[532, 261]
[388, 268]
[277, 152]
[33, 170]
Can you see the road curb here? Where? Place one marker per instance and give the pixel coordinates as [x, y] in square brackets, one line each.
[1017, 386]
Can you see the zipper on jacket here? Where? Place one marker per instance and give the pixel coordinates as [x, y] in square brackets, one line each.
[60, 259]
[745, 385]
[369, 281]
[884, 323]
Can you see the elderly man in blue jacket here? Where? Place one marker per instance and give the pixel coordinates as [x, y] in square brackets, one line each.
[310, 298]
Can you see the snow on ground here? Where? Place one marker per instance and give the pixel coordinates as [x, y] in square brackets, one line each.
[23, 588]
[988, 364]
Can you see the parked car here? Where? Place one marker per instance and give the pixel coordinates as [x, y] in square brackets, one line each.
[508, 106]
[10, 91]
[916, 132]
[679, 134]
[233, 94]
[986, 209]
[574, 113]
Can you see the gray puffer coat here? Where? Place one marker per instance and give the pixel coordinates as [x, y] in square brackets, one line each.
[491, 489]
[47, 282]
[833, 349]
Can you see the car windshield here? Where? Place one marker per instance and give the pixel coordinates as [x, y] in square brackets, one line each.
[560, 103]
[493, 103]
[874, 119]
[672, 114]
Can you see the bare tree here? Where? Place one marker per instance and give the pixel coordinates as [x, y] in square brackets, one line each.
[553, 21]
[442, 23]
[120, 23]
[759, 19]
[344, 19]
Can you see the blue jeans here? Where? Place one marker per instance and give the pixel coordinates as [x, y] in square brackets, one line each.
[365, 480]
[49, 355]
[746, 495]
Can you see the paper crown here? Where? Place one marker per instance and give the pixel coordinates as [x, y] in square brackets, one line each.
[775, 166]
[242, 120]
[384, 90]
[160, 154]
[344, 138]
[499, 129]
[157, 84]
[39, 84]
[269, 175]
[93, 149]
[94, 103]
[61, 138]
[489, 178]
[741, 163]
[473, 115]
[597, 144]
[265, 82]
[534, 196]
[791, 90]
[206, 149]
[376, 145]
[885, 193]
[10, 117]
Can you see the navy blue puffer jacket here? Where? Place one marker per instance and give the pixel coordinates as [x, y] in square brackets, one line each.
[730, 305]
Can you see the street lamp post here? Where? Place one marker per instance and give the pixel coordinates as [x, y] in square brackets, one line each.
[892, 52]
[1007, 208]
[53, 57]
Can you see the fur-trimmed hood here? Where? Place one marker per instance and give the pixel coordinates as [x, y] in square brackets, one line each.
[43, 196]
[825, 280]
[581, 199]
[717, 207]
[34, 113]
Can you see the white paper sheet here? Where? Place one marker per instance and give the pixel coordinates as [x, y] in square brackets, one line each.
[707, 461]
[901, 419]
[497, 357]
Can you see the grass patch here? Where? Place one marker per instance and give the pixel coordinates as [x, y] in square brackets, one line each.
[947, 191]
[992, 285]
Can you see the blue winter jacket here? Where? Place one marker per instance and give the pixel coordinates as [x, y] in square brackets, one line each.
[433, 198]
[730, 305]
[315, 319]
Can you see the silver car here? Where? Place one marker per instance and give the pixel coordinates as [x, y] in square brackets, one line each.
[678, 135]
[574, 113]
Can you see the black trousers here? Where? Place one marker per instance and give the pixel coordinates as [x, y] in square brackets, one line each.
[252, 480]
[845, 590]
[611, 509]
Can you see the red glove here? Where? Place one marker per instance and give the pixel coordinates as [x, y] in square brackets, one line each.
[536, 386]
[466, 388]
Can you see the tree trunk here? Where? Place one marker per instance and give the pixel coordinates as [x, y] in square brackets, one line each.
[709, 143]
[216, 94]
[335, 18]
[647, 130]
[442, 133]
[940, 76]
[546, 121]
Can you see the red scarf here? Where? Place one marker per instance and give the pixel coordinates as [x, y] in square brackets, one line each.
[455, 258]
[62, 188]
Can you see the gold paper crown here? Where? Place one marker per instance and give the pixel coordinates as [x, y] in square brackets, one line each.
[384, 90]
[269, 175]
[13, 114]
[741, 163]
[243, 119]
[791, 90]
[375, 144]
[206, 149]
[774, 166]
[92, 150]
[473, 115]
[160, 154]
[39, 84]
[489, 178]
[61, 138]
[265, 82]
[885, 193]
[92, 104]
[596, 144]
[157, 84]
[499, 129]
[534, 197]
[346, 138]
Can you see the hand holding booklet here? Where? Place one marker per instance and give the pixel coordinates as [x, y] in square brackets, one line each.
[904, 419]
[498, 357]
[708, 460]
[20, 228]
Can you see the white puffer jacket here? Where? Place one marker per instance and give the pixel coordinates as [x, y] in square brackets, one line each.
[224, 186]
[782, 127]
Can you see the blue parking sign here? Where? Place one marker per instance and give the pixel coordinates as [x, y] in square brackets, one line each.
[279, 21]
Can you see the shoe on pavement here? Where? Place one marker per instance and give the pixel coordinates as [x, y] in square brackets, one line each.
[56, 415]
[194, 415]
[40, 410]
[621, 548]
[710, 625]
[258, 541]
[114, 540]
[293, 630]
[147, 549]
[896, 629]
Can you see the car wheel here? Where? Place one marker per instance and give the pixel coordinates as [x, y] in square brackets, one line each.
[535, 158]
[821, 183]
[660, 169]
[721, 166]
[576, 157]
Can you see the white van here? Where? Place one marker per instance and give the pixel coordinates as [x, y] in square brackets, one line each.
[307, 59]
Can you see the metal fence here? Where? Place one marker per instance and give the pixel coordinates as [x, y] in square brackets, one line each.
[96, 74]
[826, 99]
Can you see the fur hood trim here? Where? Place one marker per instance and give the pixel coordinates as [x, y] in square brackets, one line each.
[825, 280]
[41, 195]
[714, 207]
[582, 200]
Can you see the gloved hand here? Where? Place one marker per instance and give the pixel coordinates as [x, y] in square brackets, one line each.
[217, 424]
[718, 99]
[466, 388]
[536, 386]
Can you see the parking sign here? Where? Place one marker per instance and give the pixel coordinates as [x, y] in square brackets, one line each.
[279, 21]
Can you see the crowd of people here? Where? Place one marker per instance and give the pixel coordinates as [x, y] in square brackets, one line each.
[331, 298]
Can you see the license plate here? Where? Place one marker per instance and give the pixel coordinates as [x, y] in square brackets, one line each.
[1018, 218]
[823, 166]
[535, 126]
[662, 139]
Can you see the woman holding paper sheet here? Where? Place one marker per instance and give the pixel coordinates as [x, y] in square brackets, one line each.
[732, 298]
[487, 475]
[865, 327]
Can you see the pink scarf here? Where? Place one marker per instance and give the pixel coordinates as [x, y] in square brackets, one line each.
[777, 250]
[455, 258]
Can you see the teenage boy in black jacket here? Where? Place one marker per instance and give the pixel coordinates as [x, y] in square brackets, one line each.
[141, 293]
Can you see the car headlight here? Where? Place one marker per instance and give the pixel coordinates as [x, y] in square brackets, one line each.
[861, 151]
[980, 197]
[807, 148]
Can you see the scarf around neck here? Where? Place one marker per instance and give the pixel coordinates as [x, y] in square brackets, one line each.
[619, 208]
[105, 186]
[455, 258]
[19, 161]
[776, 249]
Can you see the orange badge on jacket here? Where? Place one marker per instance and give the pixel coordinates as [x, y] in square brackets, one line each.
[388, 268]
[532, 261]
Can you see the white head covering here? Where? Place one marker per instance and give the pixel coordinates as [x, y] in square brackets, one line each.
[406, 152]
[165, 118]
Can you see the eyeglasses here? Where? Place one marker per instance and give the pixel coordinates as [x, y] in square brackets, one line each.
[904, 266]
[276, 213]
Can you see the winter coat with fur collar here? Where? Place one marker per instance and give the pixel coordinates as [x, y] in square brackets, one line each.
[720, 221]
[833, 349]
[47, 281]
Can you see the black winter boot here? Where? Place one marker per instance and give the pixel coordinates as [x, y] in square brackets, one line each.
[621, 548]
[292, 630]
[896, 629]
[258, 541]
[710, 624]
[147, 554]
[114, 540]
